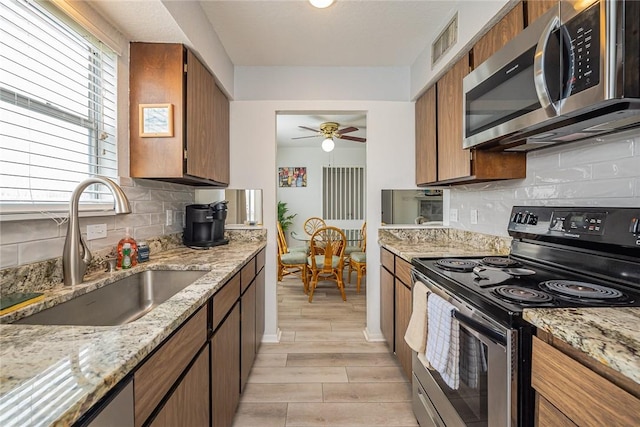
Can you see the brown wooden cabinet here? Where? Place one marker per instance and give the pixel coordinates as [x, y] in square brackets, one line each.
[158, 374]
[387, 292]
[426, 138]
[537, 8]
[395, 305]
[499, 35]
[403, 314]
[260, 298]
[574, 389]
[440, 158]
[247, 329]
[198, 151]
[189, 403]
[225, 370]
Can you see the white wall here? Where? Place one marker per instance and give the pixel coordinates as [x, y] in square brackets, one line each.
[322, 83]
[390, 154]
[306, 202]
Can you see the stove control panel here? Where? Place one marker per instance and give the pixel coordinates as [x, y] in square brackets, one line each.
[578, 222]
[598, 225]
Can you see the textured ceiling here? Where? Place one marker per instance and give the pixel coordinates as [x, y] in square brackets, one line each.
[348, 33]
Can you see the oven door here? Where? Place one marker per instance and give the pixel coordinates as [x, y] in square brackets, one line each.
[487, 394]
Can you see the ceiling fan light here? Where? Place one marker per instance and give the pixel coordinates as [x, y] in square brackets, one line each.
[321, 4]
[328, 144]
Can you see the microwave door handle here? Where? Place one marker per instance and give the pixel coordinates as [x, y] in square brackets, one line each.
[539, 76]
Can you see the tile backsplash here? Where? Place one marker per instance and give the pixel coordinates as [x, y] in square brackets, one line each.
[29, 241]
[602, 171]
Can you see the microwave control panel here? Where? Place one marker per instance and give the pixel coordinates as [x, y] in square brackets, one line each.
[584, 33]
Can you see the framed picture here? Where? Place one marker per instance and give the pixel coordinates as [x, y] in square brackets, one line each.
[292, 177]
[156, 120]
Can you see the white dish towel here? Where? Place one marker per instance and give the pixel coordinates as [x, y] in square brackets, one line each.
[416, 334]
[443, 345]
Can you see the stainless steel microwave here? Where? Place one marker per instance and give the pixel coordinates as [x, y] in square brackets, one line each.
[572, 74]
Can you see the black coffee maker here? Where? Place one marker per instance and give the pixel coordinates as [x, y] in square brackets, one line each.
[204, 225]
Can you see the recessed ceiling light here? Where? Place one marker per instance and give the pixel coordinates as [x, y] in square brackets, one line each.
[321, 4]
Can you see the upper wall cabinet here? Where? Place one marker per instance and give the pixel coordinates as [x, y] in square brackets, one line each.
[499, 35]
[536, 9]
[440, 158]
[426, 138]
[179, 118]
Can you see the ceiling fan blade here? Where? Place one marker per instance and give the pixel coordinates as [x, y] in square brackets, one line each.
[352, 138]
[346, 130]
[311, 129]
[302, 137]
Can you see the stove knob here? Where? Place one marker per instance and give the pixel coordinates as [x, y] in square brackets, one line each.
[525, 218]
[533, 219]
[634, 227]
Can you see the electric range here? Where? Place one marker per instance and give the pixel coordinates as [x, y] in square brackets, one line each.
[560, 257]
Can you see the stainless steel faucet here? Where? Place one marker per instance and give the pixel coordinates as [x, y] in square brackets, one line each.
[76, 255]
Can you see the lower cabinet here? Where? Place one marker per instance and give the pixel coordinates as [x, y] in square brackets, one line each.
[570, 393]
[189, 403]
[396, 305]
[403, 314]
[387, 306]
[247, 332]
[196, 376]
[225, 370]
[157, 376]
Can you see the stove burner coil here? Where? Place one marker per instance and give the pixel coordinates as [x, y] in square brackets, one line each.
[522, 295]
[499, 262]
[458, 265]
[582, 289]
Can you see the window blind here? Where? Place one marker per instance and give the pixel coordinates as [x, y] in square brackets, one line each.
[343, 193]
[57, 108]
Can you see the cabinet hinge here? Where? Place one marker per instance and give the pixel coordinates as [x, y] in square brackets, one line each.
[185, 68]
[185, 154]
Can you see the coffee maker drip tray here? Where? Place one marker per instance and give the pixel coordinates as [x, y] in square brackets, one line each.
[209, 245]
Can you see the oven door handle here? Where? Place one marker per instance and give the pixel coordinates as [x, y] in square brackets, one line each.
[492, 334]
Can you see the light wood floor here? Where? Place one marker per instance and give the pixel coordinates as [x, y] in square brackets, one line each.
[324, 372]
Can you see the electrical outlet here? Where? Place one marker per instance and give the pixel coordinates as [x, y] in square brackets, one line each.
[169, 220]
[474, 216]
[453, 215]
[96, 231]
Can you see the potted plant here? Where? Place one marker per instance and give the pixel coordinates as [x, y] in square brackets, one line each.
[284, 219]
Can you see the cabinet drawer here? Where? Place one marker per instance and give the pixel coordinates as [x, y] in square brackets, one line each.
[403, 271]
[247, 273]
[260, 259]
[387, 259]
[581, 394]
[156, 376]
[224, 299]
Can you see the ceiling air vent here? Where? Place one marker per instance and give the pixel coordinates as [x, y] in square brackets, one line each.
[447, 38]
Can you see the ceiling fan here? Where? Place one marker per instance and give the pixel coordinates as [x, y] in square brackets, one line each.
[330, 130]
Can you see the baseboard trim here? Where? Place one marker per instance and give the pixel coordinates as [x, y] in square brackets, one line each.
[371, 337]
[272, 338]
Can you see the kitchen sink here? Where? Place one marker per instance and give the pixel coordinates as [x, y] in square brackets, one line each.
[118, 303]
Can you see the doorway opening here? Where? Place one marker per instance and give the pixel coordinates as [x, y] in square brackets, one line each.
[330, 184]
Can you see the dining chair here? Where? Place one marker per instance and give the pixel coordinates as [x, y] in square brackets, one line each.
[360, 246]
[294, 262]
[326, 260]
[285, 246]
[312, 224]
[358, 261]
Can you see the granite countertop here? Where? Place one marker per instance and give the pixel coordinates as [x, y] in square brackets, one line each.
[609, 335]
[441, 243]
[51, 375]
